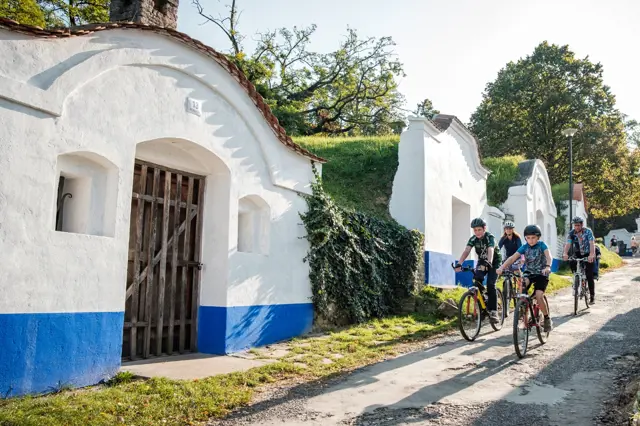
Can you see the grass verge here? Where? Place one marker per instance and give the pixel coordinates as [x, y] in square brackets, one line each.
[178, 402]
[608, 261]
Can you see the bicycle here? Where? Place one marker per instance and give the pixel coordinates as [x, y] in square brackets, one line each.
[529, 313]
[580, 285]
[474, 309]
[509, 289]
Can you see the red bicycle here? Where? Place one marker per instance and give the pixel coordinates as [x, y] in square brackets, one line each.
[526, 316]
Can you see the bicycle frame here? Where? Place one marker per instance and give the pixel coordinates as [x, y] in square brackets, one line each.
[477, 287]
[533, 307]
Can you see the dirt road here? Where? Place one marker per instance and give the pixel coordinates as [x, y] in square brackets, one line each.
[454, 382]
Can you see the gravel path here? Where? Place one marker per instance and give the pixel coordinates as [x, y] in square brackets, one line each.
[574, 379]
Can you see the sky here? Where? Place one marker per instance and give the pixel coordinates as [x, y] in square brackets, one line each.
[452, 48]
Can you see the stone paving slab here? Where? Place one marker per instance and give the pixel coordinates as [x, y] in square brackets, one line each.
[192, 366]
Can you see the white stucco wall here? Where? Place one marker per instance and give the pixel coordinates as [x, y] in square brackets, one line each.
[106, 94]
[495, 219]
[439, 187]
[443, 166]
[532, 203]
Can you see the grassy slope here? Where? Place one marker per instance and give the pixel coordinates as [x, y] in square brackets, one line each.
[504, 170]
[359, 172]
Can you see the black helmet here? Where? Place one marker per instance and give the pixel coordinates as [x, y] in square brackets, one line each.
[532, 230]
[577, 219]
[477, 222]
[509, 224]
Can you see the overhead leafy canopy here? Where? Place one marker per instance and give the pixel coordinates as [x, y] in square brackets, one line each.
[24, 11]
[351, 90]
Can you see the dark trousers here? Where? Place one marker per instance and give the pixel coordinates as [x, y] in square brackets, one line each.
[492, 277]
[588, 269]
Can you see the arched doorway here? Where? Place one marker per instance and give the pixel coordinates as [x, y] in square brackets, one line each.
[540, 223]
[172, 181]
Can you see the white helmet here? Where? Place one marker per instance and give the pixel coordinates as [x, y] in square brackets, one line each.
[509, 224]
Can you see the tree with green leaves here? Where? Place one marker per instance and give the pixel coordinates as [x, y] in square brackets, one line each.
[70, 13]
[352, 90]
[425, 109]
[23, 11]
[524, 111]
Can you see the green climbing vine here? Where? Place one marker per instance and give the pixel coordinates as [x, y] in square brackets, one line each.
[361, 267]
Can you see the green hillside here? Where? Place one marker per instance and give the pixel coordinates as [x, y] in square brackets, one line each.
[504, 170]
[360, 170]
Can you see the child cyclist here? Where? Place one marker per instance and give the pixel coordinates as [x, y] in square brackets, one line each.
[510, 242]
[537, 260]
[489, 258]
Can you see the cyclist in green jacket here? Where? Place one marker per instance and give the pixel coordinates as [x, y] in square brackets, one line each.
[489, 259]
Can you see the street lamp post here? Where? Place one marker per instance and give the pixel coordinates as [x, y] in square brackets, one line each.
[569, 133]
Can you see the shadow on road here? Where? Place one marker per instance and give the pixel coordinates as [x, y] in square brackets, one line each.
[363, 376]
[613, 340]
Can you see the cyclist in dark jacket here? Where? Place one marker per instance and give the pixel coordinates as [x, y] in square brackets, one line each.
[510, 240]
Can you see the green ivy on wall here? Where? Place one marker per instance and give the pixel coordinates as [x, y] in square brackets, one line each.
[361, 267]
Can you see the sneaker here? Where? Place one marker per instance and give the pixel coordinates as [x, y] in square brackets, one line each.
[547, 325]
[592, 300]
[493, 317]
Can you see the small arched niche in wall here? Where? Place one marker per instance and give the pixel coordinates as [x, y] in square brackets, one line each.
[253, 225]
[86, 196]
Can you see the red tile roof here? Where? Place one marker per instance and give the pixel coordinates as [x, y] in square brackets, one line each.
[578, 194]
[221, 59]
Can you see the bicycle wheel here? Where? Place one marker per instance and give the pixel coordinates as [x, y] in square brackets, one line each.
[585, 293]
[501, 311]
[521, 328]
[542, 335]
[506, 295]
[576, 294]
[469, 316]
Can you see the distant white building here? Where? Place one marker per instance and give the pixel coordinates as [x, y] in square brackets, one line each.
[622, 235]
[530, 201]
[149, 204]
[439, 187]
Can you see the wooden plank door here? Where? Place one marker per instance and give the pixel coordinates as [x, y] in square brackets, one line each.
[163, 275]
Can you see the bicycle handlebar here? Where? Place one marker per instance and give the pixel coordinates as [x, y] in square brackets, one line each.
[462, 268]
[578, 259]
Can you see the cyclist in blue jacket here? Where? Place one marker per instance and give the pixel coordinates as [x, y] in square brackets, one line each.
[581, 240]
[537, 258]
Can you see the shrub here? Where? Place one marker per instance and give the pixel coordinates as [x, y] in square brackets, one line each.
[361, 267]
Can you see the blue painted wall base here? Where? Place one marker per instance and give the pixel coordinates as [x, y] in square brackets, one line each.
[438, 271]
[223, 330]
[42, 352]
